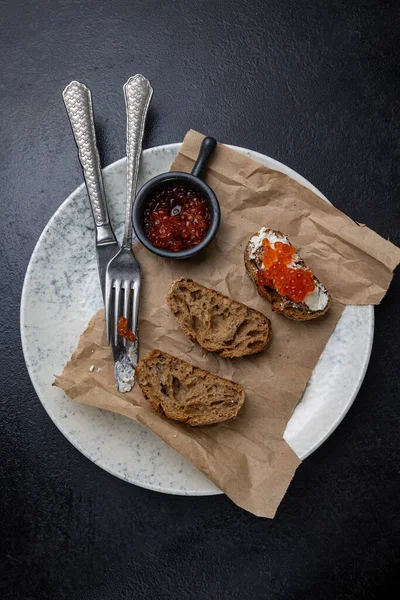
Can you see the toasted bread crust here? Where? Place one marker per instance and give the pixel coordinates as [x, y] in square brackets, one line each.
[186, 393]
[217, 322]
[291, 310]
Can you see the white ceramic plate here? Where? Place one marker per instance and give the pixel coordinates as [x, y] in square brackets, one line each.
[61, 288]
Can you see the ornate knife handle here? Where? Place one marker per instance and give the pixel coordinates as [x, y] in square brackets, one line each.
[138, 93]
[78, 102]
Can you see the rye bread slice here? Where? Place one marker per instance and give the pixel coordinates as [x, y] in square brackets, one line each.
[297, 311]
[186, 393]
[216, 322]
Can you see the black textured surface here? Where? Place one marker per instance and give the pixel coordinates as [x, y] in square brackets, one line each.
[314, 84]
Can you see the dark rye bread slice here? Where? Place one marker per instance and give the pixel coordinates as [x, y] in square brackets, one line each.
[186, 393]
[216, 322]
[292, 310]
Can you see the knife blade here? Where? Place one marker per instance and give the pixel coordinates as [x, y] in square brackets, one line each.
[124, 365]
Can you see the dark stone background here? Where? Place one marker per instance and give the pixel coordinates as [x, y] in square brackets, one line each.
[314, 84]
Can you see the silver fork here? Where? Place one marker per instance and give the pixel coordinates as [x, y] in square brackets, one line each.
[123, 276]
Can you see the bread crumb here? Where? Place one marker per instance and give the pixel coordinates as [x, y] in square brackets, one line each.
[175, 435]
[91, 369]
[99, 369]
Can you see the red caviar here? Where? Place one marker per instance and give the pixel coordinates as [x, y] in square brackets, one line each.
[123, 331]
[176, 218]
[292, 283]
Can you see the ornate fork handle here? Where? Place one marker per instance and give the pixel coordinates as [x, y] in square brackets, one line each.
[78, 102]
[138, 93]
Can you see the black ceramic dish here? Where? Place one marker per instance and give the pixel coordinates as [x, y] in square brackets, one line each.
[192, 180]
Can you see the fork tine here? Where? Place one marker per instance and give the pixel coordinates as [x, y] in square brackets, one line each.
[108, 309]
[135, 305]
[117, 297]
[126, 286]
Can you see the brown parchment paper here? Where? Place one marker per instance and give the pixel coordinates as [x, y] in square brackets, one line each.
[246, 457]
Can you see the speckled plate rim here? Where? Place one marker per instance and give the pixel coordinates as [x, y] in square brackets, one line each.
[369, 313]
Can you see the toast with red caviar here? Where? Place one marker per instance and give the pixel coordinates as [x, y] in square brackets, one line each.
[216, 322]
[282, 277]
[186, 393]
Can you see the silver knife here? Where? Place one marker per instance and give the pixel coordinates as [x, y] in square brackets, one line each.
[78, 102]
